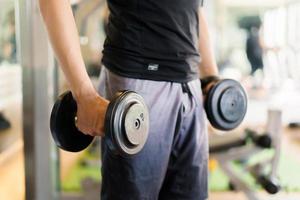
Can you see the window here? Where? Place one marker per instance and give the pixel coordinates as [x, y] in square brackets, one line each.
[8, 47]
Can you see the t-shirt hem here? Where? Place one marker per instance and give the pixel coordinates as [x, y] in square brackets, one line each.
[150, 77]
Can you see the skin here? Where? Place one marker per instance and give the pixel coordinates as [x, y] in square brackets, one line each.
[63, 34]
[62, 31]
[208, 65]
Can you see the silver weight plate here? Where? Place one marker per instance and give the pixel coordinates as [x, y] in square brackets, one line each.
[135, 124]
[130, 123]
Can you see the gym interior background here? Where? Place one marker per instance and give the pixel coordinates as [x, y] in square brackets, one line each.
[258, 160]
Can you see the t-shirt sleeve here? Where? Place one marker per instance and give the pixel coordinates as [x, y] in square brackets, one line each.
[201, 3]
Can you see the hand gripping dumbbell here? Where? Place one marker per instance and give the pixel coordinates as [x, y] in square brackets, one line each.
[225, 103]
[126, 124]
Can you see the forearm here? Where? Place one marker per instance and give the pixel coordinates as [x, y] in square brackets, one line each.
[208, 66]
[64, 38]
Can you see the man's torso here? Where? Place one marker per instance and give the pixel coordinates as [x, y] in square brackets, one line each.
[153, 39]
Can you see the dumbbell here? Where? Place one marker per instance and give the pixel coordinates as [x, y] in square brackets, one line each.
[126, 124]
[225, 103]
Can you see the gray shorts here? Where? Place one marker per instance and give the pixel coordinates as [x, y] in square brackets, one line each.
[173, 162]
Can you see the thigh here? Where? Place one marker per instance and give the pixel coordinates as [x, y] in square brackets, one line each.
[187, 172]
[141, 176]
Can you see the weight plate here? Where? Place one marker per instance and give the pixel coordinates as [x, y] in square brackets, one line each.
[108, 128]
[135, 124]
[125, 111]
[226, 104]
[62, 125]
[231, 104]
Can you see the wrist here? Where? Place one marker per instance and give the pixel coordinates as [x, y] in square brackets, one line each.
[84, 90]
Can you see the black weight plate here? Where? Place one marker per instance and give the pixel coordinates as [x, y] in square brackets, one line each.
[126, 111]
[226, 114]
[232, 104]
[62, 125]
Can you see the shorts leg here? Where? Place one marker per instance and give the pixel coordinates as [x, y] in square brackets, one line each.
[187, 173]
[140, 177]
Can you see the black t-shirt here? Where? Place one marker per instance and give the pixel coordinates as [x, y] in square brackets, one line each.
[153, 39]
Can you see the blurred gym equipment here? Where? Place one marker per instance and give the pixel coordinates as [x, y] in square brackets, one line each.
[242, 149]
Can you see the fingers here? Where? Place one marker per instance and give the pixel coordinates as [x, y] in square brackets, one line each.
[98, 124]
[208, 87]
[90, 129]
[205, 90]
[91, 122]
[83, 127]
[91, 112]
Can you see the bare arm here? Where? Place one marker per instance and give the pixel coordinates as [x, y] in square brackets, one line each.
[64, 38]
[63, 34]
[208, 65]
